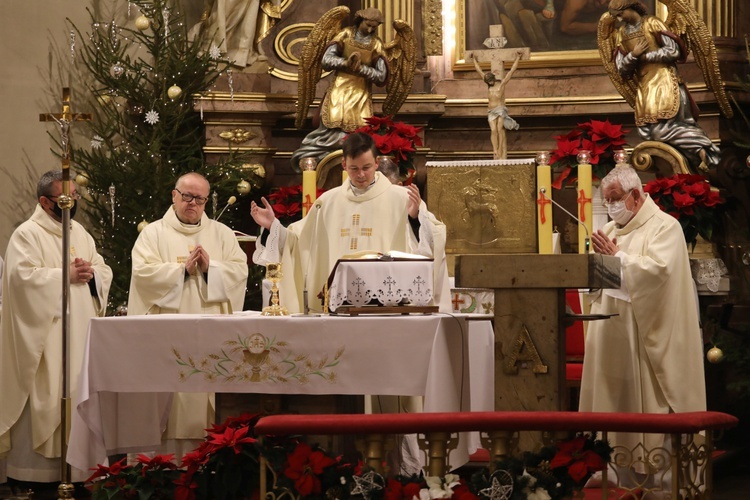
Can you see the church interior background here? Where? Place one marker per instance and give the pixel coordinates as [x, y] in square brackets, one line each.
[252, 111]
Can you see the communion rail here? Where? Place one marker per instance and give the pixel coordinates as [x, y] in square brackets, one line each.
[689, 451]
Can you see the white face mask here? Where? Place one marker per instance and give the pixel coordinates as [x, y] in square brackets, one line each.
[618, 213]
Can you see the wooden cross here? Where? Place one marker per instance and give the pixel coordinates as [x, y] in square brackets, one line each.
[64, 119]
[495, 53]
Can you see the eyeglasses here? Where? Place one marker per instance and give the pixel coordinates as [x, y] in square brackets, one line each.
[187, 198]
[608, 203]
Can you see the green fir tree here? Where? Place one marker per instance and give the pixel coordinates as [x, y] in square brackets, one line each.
[146, 133]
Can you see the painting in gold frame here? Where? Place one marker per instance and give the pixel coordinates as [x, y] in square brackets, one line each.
[526, 26]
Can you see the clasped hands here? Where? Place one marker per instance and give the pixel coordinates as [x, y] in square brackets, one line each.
[81, 271]
[197, 260]
[603, 245]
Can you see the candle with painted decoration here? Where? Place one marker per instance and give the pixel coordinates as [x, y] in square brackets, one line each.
[344, 177]
[584, 194]
[544, 203]
[309, 180]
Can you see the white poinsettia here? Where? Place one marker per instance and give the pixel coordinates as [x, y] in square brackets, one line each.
[439, 487]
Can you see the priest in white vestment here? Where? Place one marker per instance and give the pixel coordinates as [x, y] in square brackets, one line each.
[31, 332]
[367, 213]
[648, 358]
[187, 263]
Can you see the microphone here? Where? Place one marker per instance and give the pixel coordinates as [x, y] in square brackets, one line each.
[587, 241]
[231, 201]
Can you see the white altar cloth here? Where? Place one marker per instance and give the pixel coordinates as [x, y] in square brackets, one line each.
[132, 365]
[387, 281]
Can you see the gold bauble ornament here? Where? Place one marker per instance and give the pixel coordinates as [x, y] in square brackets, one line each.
[142, 23]
[715, 355]
[243, 187]
[141, 225]
[174, 92]
[82, 180]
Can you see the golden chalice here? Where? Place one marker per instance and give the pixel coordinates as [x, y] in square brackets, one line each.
[274, 275]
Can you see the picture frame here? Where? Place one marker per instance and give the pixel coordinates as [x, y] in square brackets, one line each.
[525, 26]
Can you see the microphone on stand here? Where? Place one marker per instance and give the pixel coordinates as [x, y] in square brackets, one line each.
[231, 201]
[587, 241]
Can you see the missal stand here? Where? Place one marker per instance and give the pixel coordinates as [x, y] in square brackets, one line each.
[530, 318]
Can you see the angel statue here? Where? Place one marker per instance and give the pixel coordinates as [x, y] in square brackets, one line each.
[358, 58]
[641, 57]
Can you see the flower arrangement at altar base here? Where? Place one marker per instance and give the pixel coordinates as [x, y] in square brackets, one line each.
[601, 138]
[226, 466]
[396, 139]
[689, 199]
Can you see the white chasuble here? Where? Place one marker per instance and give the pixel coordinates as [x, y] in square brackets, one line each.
[341, 223]
[159, 285]
[31, 327]
[649, 358]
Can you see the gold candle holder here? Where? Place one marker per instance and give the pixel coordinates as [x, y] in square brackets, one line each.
[274, 275]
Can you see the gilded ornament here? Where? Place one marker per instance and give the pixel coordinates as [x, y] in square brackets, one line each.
[237, 136]
[715, 355]
[174, 92]
[243, 187]
[255, 169]
[142, 23]
[432, 27]
[82, 180]
[142, 225]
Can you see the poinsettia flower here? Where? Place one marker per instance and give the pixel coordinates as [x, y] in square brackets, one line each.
[463, 492]
[565, 147]
[304, 466]
[378, 122]
[682, 200]
[573, 135]
[231, 438]
[578, 460]
[185, 489]
[157, 462]
[99, 471]
[605, 131]
[557, 183]
[595, 149]
[712, 199]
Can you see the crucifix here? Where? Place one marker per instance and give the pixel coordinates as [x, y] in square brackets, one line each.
[65, 201]
[497, 80]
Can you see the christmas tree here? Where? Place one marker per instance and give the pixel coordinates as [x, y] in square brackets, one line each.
[145, 132]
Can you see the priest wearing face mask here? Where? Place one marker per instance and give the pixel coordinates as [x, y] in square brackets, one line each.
[31, 331]
[648, 357]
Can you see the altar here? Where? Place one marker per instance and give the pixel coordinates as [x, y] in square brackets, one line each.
[132, 365]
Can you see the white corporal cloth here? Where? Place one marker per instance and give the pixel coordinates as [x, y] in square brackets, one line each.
[132, 366]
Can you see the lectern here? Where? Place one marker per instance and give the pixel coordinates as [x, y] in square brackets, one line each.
[530, 318]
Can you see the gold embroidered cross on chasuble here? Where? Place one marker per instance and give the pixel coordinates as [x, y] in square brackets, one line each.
[355, 231]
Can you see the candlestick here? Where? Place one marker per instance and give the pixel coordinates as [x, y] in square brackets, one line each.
[585, 212]
[344, 177]
[308, 183]
[544, 203]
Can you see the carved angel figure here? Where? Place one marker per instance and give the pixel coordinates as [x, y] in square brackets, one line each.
[641, 57]
[358, 58]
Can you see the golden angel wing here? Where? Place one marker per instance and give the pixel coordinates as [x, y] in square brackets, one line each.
[607, 40]
[684, 21]
[310, 62]
[402, 59]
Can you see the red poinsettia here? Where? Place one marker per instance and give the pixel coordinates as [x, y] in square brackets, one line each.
[396, 139]
[397, 490]
[689, 199]
[231, 438]
[304, 466]
[578, 460]
[601, 138]
[286, 202]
